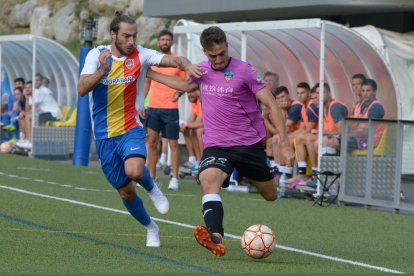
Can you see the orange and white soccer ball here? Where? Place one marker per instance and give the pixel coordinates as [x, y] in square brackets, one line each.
[258, 241]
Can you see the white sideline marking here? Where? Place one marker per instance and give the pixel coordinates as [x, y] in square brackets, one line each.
[57, 184]
[32, 169]
[383, 269]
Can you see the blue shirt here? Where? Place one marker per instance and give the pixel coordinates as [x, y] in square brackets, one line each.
[338, 112]
[312, 116]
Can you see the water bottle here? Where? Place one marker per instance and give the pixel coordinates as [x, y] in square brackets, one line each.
[282, 186]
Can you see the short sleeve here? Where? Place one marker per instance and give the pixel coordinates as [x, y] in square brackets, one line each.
[376, 111]
[311, 112]
[338, 112]
[91, 62]
[294, 113]
[149, 57]
[253, 79]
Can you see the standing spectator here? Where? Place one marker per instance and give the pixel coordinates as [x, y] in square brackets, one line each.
[162, 114]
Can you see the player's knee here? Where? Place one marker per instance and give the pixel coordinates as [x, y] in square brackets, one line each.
[270, 197]
[152, 141]
[135, 174]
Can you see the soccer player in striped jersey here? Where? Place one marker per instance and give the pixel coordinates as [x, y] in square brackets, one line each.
[115, 76]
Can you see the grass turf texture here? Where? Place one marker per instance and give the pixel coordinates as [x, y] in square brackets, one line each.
[41, 235]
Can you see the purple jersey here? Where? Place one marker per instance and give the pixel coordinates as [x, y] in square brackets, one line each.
[231, 115]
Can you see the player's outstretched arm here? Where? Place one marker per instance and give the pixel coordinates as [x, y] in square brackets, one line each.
[172, 81]
[184, 64]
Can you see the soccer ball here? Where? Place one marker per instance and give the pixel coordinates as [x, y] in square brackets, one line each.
[258, 241]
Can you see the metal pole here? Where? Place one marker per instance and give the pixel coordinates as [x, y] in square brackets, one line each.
[243, 46]
[33, 84]
[321, 96]
[1, 78]
[370, 162]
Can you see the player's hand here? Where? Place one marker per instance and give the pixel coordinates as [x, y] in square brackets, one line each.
[103, 59]
[314, 131]
[183, 128]
[193, 70]
[143, 114]
[287, 153]
[176, 96]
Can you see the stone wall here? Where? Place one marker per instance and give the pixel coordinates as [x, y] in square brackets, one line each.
[62, 20]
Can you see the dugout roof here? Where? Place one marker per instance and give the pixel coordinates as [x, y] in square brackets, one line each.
[25, 55]
[292, 48]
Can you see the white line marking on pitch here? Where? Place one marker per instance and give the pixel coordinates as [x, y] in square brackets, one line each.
[379, 268]
[57, 184]
[32, 169]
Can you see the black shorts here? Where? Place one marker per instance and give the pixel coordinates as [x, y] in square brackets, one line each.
[164, 121]
[46, 117]
[250, 161]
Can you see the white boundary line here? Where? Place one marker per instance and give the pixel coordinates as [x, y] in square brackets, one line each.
[287, 248]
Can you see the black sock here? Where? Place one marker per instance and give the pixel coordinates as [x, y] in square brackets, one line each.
[301, 170]
[213, 216]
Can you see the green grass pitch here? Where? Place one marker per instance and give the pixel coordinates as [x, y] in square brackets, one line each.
[47, 228]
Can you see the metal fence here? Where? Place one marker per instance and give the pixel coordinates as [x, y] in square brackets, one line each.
[378, 166]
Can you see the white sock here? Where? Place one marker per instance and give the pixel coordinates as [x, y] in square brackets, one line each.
[301, 164]
[192, 159]
[163, 158]
[288, 170]
[272, 163]
[152, 226]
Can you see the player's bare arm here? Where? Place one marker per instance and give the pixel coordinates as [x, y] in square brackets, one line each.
[183, 64]
[88, 82]
[269, 126]
[269, 102]
[172, 81]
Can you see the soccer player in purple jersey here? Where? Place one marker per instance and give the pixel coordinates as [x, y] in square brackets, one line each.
[234, 131]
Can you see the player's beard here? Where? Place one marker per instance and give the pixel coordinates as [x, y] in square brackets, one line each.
[118, 47]
[165, 49]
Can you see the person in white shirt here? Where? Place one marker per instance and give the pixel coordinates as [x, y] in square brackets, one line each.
[46, 107]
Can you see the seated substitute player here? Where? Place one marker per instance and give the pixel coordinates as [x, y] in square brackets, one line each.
[308, 129]
[192, 130]
[334, 112]
[371, 108]
[229, 90]
[292, 115]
